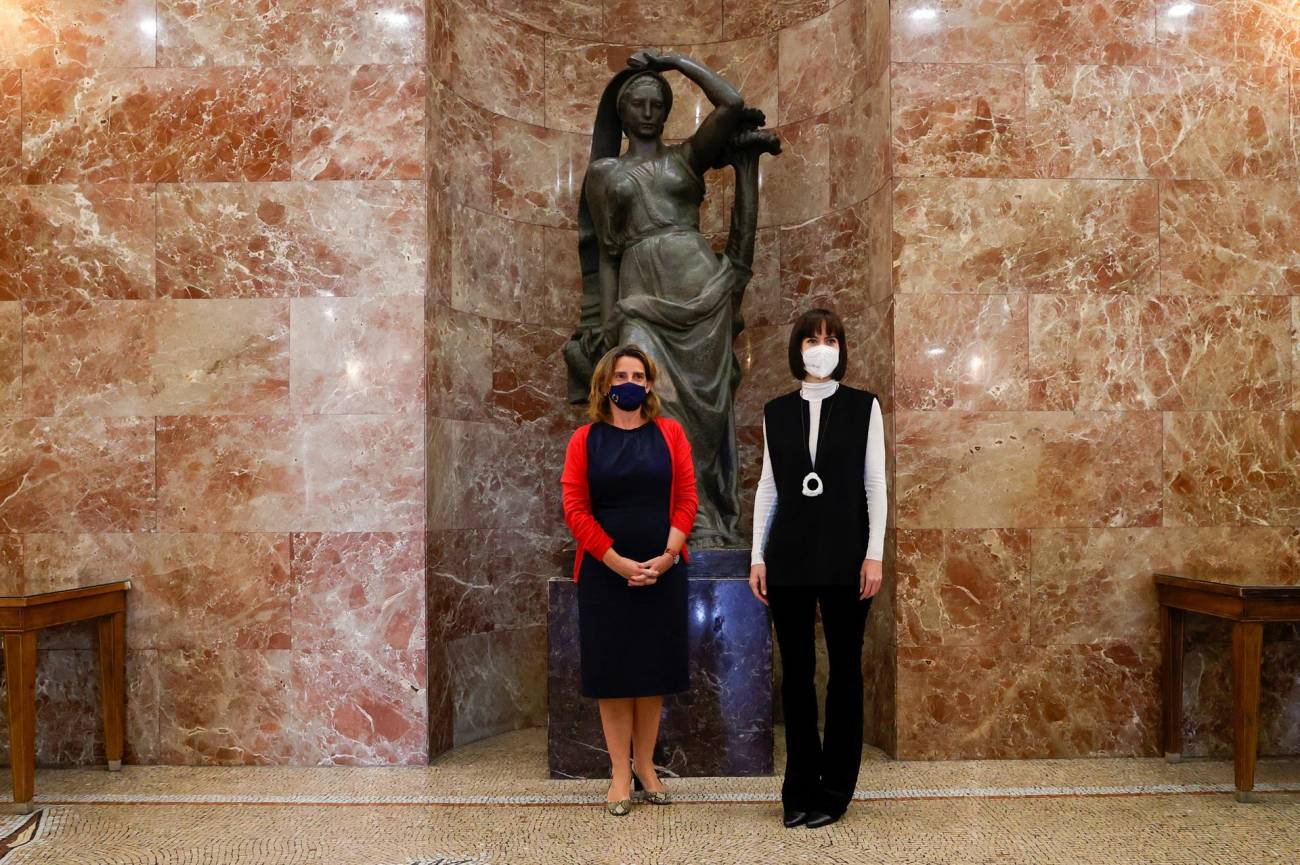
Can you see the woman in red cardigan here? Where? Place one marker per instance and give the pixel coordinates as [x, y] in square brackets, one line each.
[629, 499]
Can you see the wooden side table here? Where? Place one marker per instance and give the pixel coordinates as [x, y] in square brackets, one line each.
[1248, 606]
[24, 610]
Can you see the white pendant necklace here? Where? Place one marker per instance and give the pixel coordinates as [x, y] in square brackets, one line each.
[812, 482]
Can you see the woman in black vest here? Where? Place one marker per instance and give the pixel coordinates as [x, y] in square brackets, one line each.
[819, 537]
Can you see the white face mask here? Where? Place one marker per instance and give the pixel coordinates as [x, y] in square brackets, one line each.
[820, 360]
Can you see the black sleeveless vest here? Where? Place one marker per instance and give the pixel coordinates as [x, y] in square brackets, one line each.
[820, 540]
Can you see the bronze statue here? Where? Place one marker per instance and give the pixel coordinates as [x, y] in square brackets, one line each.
[650, 278]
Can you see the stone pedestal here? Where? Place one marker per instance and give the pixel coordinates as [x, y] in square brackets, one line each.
[722, 725]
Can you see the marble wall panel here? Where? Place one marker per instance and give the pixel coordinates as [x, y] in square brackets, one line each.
[1225, 32]
[357, 355]
[1137, 121]
[77, 242]
[363, 473]
[568, 17]
[498, 682]
[820, 61]
[836, 261]
[577, 71]
[459, 366]
[496, 63]
[287, 33]
[963, 587]
[1231, 468]
[1229, 237]
[859, 150]
[1028, 469]
[1024, 31]
[11, 356]
[537, 173]
[763, 303]
[959, 120]
[752, 65]
[529, 380]
[630, 21]
[291, 239]
[796, 184]
[11, 125]
[1086, 352]
[156, 125]
[965, 352]
[552, 302]
[495, 263]
[990, 236]
[483, 580]
[359, 123]
[77, 474]
[752, 17]
[43, 34]
[1295, 354]
[460, 156]
[87, 358]
[1207, 699]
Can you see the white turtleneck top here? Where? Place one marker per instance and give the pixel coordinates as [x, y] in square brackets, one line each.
[873, 476]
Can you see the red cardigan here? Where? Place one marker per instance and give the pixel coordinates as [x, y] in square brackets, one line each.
[586, 531]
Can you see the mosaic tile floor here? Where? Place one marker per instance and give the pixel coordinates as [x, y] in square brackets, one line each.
[490, 803]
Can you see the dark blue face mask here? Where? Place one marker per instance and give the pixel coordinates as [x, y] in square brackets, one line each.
[628, 396]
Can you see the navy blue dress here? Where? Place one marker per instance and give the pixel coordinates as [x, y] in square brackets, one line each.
[632, 639]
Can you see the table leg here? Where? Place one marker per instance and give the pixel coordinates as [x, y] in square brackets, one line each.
[20, 677]
[112, 685]
[1171, 683]
[1247, 646]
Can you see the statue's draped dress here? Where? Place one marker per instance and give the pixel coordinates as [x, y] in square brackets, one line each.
[675, 300]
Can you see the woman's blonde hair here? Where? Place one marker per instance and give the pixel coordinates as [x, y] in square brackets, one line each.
[603, 377]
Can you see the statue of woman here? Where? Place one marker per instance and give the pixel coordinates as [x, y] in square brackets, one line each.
[651, 279]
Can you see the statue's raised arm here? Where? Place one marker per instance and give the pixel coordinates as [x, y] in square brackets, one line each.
[649, 275]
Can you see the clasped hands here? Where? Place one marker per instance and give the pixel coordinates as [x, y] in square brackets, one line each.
[636, 573]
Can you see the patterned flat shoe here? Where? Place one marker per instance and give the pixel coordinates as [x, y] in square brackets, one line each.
[657, 797]
[618, 808]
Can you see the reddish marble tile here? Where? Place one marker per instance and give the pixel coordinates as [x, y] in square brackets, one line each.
[859, 155]
[1095, 584]
[749, 64]
[69, 732]
[363, 473]
[529, 382]
[78, 242]
[362, 355]
[461, 158]
[1028, 469]
[1231, 468]
[869, 339]
[11, 357]
[1086, 353]
[44, 33]
[965, 352]
[577, 71]
[459, 346]
[359, 123]
[762, 303]
[820, 61]
[558, 303]
[496, 63]
[239, 473]
[1116, 32]
[491, 579]
[1229, 237]
[633, 21]
[1295, 354]
[1207, 699]
[495, 263]
[11, 125]
[1044, 236]
[564, 17]
[979, 702]
[1090, 121]
[537, 173]
[355, 709]
[291, 239]
[156, 125]
[226, 707]
[359, 593]
[88, 358]
[963, 588]
[828, 261]
[959, 120]
[1203, 353]
[221, 357]
[764, 371]
[753, 17]
[1257, 32]
[498, 682]
[796, 184]
[289, 33]
[82, 474]
[487, 476]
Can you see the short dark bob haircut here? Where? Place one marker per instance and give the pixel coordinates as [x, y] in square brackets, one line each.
[811, 323]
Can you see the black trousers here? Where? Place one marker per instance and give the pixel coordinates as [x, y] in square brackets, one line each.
[820, 775]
